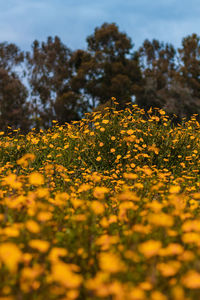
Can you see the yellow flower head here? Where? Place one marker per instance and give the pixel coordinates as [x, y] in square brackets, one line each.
[36, 178]
[110, 262]
[40, 245]
[150, 248]
[99, 192]
[10, 255]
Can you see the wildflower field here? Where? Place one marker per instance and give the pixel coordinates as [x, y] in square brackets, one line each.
[104, 208]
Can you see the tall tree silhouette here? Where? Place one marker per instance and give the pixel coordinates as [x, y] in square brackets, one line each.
[189, 63]
[157, 62]
[106, 69]
[49, 75]
[10, 57]
[170, 80]
[14, 108]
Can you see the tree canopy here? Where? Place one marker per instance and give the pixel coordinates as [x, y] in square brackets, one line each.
[52, 82]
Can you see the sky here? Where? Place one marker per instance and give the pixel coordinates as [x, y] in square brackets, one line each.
[23, 21]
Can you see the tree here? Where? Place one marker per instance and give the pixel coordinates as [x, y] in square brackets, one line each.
[157, 62]
[14, 108]
[180, 101]
[10, 57]
[189, 64]
[49, 74]
[107, 69]
[69, 107]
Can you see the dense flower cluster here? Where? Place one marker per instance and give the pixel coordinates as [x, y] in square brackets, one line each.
[104, 208]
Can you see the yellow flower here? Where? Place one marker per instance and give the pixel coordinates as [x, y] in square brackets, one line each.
[130, 176]
[28, 276]
[156, 295]
[10, 255]
[84, 187]
[147, 170]
[36, 178]
[190, 237]
[150, 248]
[63, 274]
[98, 158]
[95, 177]
[153, 148]
[191, 225]
[139, 185]
[161, 219]
[124, 206]
[172, 249]
[162, 112]
[11, 180]
[23, 161]
[99, 192]
[61, 198]
[42, 193]
[128, 195]
[187, 256]
[35, 141]
[105, 241]
[96, 282]
[174, 189]
[196, 196]
[32, 226]
[40, 245]
[11, 231]
[169, 269]
[141, 228]
[110, 262]
[191, 280]
[130, 131]
[155, 206]
[146, 286]
[178, 293]
[44, 216]
[97, 207]
[56, 252]
[137, 293]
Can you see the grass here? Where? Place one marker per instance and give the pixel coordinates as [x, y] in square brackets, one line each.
[105, 208]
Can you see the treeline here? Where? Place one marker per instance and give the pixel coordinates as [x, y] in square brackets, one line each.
[52, 82]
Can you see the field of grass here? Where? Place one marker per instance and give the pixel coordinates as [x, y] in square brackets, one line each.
[105, 208]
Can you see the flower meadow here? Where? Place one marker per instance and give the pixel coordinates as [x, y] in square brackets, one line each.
[103, 208]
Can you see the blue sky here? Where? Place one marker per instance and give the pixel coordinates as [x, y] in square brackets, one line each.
[23, 21]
